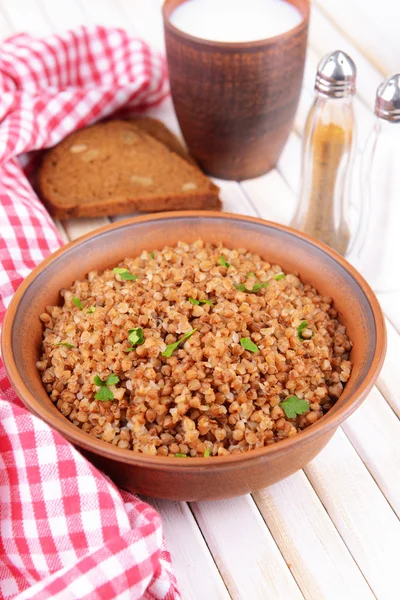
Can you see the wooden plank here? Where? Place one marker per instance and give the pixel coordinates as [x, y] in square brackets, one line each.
[144, 18]
[23, 19]
[289, 164]
[77, 227]
[371, 26]
[102, 12]
[303, 531]
[197, 574]
[374, 431]
[6, 28]
[61, 231]
[325, 37]
[360, 512]
[271, 197]
[389, 379]
[60, 20]
[390, 304]
[234, 199]
[244, 550]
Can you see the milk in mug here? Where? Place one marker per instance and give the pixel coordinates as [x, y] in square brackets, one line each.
[235, 20]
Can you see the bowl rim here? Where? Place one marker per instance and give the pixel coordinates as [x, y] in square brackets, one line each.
[106, 450]
[235, 46]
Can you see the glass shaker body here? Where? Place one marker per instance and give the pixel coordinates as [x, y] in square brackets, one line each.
[376, 248]
[326, 164]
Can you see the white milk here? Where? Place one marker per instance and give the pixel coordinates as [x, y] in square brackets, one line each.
[235, 20]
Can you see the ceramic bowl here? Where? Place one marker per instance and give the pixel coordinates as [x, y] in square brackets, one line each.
[196, 478]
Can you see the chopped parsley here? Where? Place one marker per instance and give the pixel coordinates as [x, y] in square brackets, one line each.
[197, 302]
[180, 455]
[171, 347]
[300, 330]
[77, 303]
[152, 254]
[207, 453]
[136, 338]
[250, 274]
[90, 310]
[247, 344]
[112, 379]
[256, 287]
[223, 263]
[294, 406]
[124, 274]
[104, 394]
[66, 344]
[279, 276]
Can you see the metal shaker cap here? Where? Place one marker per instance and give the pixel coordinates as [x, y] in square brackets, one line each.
[336, 75]
[387, 104]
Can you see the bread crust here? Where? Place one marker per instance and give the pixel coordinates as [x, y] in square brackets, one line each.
[115, 168]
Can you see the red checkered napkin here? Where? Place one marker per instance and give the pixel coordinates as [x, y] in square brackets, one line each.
[66, 531]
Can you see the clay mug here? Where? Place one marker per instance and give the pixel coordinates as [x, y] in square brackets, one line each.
[236, 101]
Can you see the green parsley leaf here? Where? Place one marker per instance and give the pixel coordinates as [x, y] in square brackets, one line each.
[65, 344]
[90, 310]
[197, 302]
[124, 274]
[152, 255]
[300, 328]
[247, 344]
[207, 453]
[258, 286]
[279, 276]
[294, 406]
[171, 347]
[136, 336]
[112, 379]
[179, 455]
[250, 274]
[120, 270]
[77, 303]
[104, 394]
[128, 276]
[223, 263]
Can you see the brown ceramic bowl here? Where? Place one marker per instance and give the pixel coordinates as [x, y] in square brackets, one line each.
[196, 478]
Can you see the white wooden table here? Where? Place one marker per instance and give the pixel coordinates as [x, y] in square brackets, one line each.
[331, 531]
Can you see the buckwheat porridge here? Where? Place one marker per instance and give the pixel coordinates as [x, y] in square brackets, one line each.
[196, 350]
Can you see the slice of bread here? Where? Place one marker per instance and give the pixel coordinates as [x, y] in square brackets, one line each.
[160, 132]
[116, 168]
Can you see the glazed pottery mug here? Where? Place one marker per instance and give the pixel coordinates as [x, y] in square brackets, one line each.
[236, 101]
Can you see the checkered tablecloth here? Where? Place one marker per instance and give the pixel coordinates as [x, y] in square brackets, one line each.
[66, 531]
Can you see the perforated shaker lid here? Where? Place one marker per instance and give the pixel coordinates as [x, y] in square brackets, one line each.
[387, 104]
[336, 75]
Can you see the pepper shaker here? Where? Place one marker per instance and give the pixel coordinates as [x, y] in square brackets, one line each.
[376, 247]
[328, 143]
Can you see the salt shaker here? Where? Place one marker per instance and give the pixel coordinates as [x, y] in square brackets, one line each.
[328, 143]
[376, 247]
